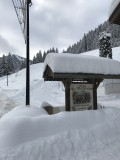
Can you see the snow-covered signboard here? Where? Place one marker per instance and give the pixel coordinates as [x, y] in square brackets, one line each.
[81, 97]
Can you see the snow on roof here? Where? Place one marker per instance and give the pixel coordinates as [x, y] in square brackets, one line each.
[104, 35]
[113, 6]
[77, 63]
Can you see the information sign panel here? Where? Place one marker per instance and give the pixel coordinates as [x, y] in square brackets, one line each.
[81, 97]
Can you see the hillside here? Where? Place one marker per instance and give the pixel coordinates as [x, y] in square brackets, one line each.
[50, 92]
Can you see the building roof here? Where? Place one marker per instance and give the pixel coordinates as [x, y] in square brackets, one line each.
[114, 12]
[59, 66]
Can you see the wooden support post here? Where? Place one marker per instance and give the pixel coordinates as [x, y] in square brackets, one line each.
[94, 95]
[67, 95]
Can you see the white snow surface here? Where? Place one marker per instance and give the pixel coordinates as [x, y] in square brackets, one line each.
[79, 63]
[29, 133]
[113, 6]
[14, 94]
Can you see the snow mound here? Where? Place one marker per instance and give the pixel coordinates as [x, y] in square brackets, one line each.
[28, 133]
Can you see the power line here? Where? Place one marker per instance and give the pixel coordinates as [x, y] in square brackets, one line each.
[20, 9]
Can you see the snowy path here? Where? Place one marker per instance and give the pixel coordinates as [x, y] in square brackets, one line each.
[6, 103]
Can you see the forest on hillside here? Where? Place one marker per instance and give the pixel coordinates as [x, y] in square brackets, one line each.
[90, 40]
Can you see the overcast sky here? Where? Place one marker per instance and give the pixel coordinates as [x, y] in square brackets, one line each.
[57, 23]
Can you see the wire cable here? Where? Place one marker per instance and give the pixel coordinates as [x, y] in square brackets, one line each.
[20, 9]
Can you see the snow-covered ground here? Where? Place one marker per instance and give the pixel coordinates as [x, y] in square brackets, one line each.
[14, 94]
[30, 133]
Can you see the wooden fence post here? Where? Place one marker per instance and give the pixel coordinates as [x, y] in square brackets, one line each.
[67, 95]
[94, 95]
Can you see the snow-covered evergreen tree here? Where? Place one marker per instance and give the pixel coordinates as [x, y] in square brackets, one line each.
[39, 57]
[3, 66]
[56, 51]
[23, 65]
[11, 68]
[53, 50]
[34, 60]
[105, 49]
[44, 56]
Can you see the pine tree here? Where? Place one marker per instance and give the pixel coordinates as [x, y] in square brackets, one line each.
[34, 60]
[48, 51]
[10, 65]
[23, 65]
[39, 57]
[53, 50]
[44, 56]
[56, 51]
[7, 66]
[84, 43]
[3, 66]
[105, 49]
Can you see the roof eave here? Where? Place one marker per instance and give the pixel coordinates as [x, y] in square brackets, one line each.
[115, 16]
[78, 76]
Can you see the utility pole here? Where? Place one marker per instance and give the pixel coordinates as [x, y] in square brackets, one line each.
[28, 2]
[22, 10]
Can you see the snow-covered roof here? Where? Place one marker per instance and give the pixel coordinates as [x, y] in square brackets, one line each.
[113, 6]
[77, 63]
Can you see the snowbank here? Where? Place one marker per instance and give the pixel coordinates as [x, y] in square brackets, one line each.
[14, 93]
[31, 134]
[79, 63]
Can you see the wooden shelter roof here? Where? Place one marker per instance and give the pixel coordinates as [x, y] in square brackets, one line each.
[49, 75]
[59, 67]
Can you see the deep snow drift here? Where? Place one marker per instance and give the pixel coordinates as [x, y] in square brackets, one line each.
[29, 133]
